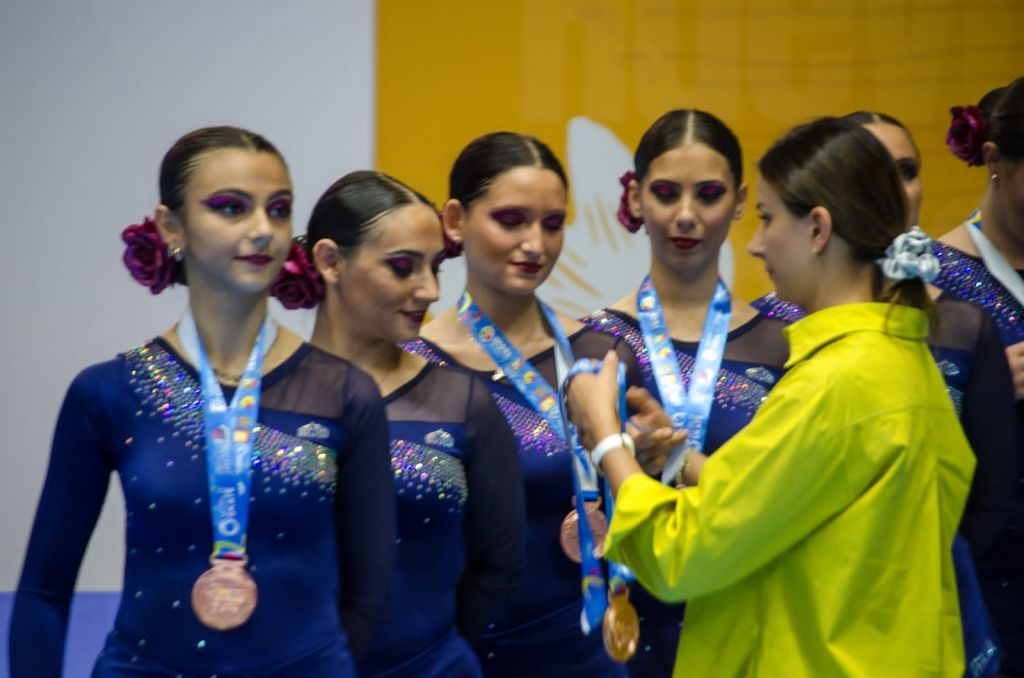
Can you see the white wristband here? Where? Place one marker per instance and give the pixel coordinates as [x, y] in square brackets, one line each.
[613, 442]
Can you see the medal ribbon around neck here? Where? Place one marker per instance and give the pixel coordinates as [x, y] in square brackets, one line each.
[619, 576]
[229, 437]
[995, 262]
[688, 409]
[544, 400]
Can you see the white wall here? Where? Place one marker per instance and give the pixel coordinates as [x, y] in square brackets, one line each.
[92, 92]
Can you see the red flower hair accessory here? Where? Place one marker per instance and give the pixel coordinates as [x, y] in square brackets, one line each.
[967, 132]
[626, 217]
[452, 249]
[298, 284]
[147, 258]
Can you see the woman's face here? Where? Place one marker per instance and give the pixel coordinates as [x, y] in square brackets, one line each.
[235, 225]
[783, 243]
[386, 286]
[687, 200]
[513, 234]
[901, 147]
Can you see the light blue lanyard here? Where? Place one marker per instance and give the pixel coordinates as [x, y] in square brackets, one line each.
[994, 261]
[688, 409]
[229, 439]
[619, 575]
[544, 400]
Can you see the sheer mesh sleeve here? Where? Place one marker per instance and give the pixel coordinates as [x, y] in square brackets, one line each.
[321, 384]
[589, 343]
[76, 485]
[761, 341]
[365, 512]
[495, 516]
[988, 419]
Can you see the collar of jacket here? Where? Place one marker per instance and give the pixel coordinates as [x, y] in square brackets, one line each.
[809, 334]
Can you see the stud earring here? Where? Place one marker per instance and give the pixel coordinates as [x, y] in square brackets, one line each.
[995, 179]
[176, 252]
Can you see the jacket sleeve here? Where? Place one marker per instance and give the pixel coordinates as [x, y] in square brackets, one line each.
[771, 485]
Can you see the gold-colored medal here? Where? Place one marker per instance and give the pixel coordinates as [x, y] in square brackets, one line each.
[620, 628]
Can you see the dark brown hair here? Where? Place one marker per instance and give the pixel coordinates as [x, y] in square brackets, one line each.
[487, 157]
[684, 126]
[180, 161]
[1004, 112]
[837, 164]
[348, 210]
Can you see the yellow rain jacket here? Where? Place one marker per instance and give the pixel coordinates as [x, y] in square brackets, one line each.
[818, 542]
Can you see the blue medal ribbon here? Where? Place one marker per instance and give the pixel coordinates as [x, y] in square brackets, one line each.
[994, 260]
[544, 400]
[687, 408]
[230, 430]
[619, 576]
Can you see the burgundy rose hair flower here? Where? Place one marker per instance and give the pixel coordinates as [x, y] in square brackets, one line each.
[298, 284]
[147, 257]
[626, 217]
[452, 249]
[967, 132]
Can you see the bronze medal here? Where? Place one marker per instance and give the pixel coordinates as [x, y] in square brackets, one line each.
[224, 596]
[620, 628]
[569, 534]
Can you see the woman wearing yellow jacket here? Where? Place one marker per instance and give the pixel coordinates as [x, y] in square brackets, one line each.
[816, 542]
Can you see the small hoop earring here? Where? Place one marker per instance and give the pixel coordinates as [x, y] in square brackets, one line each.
[176, 252]
[995, 179]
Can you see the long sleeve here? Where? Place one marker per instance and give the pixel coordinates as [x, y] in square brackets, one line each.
[990, 422]
[495, 525]
[366, 513]
[76, 485]
[790, 471]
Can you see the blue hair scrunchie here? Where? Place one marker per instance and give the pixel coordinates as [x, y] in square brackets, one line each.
[910, 256]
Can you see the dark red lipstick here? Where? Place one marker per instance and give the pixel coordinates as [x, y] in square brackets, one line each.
[257, 259]
[684, 243]
[527, 266]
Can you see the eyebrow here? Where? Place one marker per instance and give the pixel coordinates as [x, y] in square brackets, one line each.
[698, 184]
[248, 196]
[407, 253]
[528, 210]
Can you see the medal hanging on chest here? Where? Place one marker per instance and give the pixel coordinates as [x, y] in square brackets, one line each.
[225, 596]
